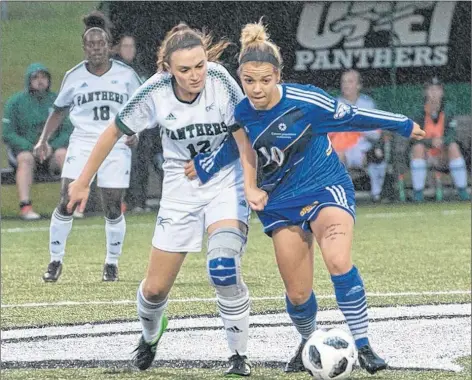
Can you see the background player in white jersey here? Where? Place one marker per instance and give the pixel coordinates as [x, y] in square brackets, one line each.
[192, 100]
[92, 92]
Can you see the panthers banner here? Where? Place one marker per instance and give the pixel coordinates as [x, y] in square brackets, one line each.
[403, 41]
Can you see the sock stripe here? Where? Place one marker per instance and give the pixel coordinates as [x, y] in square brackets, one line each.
[351, 304]
[62, 218]
[350, 312]
[114, 221]
[234, 310]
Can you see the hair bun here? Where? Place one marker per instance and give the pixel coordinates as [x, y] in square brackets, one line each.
[96, 19]
[253, 33]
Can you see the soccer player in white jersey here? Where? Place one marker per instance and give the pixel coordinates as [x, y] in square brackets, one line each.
[192, 98]
[92, 92]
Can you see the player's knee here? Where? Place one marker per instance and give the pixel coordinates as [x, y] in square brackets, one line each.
[225, 249]
[153, 292]
[338, 264]
[298, 296]
[113, 210]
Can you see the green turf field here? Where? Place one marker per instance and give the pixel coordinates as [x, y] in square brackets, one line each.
[408, 255]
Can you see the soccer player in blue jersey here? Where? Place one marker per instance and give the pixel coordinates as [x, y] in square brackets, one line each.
[305, 191]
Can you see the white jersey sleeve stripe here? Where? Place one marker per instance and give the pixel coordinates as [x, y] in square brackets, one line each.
[312, 101]
[317, 94]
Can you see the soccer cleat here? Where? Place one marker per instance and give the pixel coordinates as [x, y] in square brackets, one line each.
[146, 352]
[369, 360]
[296, 363]
[53, 272]
[110, 272]
[238, 366]
[27, 213]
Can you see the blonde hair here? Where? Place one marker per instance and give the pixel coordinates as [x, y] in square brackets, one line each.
[257, 46]
[182, 36]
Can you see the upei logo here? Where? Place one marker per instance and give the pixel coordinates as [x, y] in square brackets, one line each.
[362, 35]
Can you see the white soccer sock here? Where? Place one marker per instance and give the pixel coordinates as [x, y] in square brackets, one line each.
[418, 173]
[458, 172]
[150, 315]
[377, 177]
[115, 230]
[58, 232]
[235, 316]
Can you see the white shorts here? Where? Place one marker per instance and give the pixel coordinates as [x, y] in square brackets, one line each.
[180, 226]
[114, 173]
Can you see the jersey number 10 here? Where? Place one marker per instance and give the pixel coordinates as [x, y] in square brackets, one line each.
[276, 155]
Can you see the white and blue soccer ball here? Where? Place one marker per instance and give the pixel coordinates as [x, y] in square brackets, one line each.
[329, 354]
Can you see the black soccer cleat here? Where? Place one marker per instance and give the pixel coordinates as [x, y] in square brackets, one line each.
[146, 352]
[369, 360]
[238, 366]
[110, 273]
[296, 363]
[53, 272]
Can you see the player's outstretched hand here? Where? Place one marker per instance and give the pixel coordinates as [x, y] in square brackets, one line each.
[78, 194]
[132, 141]
[417, 133]
[189, 170]
[257, 198]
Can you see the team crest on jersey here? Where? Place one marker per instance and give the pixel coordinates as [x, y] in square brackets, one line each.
[342, 110]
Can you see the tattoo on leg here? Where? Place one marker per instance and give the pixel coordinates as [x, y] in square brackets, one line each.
[332, 231]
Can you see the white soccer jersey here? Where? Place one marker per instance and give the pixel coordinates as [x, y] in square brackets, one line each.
[93, 101]
[187, 128]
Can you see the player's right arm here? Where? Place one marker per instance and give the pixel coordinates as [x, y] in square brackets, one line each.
[62, 103]
[256, 197]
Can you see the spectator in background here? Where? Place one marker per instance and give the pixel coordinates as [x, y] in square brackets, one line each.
[352, 147]
[149, 149]
[24, 117]
[439, 145]
[126, 52]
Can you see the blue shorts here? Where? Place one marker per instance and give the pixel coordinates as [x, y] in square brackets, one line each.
[303, 209]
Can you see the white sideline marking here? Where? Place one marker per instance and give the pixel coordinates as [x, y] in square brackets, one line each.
[182, 300]
[380, 215]
[403, 342]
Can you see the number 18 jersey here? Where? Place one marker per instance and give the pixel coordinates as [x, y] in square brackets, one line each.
[93, 100]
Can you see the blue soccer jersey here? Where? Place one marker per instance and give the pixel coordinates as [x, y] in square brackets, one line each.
[294, 152]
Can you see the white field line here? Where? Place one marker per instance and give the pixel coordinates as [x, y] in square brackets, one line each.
[381, 215]
[190, 300]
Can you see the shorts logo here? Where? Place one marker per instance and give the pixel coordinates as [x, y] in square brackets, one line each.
[163, 221]
[305, 210]
[243, 203]
[69, 159]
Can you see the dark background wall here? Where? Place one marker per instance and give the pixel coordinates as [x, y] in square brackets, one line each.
[427, 39]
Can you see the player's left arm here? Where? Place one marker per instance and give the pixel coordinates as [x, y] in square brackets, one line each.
[335, 116]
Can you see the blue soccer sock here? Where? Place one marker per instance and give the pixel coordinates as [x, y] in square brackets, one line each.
[303, 316]
[350, 295]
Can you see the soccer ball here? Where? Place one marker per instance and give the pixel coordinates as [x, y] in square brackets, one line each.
[329, 354]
